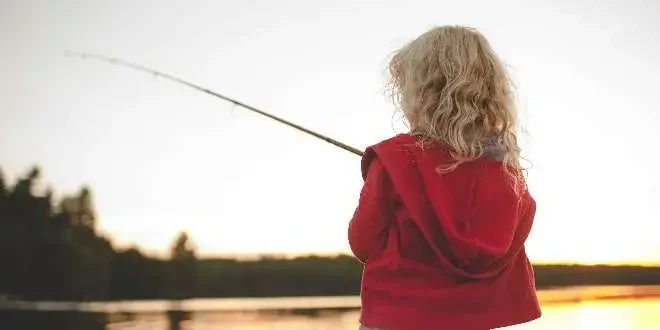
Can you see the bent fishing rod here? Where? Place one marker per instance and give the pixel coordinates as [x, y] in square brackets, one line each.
[156, 73]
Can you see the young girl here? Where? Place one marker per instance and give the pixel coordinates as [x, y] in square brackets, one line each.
[444, 212]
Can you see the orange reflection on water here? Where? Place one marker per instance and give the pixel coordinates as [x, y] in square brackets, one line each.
[643, 314]
[621, 314]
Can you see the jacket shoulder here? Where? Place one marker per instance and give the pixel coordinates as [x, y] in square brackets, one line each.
[400, 142]
[387, 150]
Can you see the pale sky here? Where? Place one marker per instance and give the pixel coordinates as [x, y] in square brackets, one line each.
[160, 157]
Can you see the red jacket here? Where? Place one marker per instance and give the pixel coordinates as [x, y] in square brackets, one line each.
[441, 251]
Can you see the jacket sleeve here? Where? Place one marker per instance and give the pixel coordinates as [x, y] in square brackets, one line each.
[367, 230]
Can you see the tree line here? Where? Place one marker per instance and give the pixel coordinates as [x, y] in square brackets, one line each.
[51, 250]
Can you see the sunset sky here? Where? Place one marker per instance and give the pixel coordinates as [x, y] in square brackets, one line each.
[160, 157]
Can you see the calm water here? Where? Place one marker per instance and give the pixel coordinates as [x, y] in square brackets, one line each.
[560, 307]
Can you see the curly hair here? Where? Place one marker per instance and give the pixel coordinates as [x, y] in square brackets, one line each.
[454, 90]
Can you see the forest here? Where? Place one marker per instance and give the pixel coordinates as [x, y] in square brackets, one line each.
[51, 250]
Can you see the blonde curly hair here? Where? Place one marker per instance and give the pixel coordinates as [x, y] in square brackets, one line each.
[454, 90]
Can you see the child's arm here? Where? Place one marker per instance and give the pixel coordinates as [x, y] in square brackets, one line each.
[367, 231]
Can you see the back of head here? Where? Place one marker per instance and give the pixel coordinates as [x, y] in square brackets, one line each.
[454, 90]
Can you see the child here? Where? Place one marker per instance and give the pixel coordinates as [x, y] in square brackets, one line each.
[444, 212]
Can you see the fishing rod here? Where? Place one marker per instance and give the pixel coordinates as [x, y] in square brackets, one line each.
[116, 61]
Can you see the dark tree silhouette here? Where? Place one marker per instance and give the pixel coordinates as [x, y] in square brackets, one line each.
[182, 267]
[44, 251]
[51, 250]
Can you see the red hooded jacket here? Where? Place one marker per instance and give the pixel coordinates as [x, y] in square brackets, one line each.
[441, 251]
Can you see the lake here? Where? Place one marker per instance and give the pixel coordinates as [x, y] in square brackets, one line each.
[601, 308]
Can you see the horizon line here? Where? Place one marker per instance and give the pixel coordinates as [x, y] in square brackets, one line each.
[256, 256]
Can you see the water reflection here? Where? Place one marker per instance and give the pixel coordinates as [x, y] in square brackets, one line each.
[176, 319]
[52, 320]
[641, 314]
